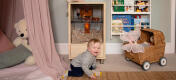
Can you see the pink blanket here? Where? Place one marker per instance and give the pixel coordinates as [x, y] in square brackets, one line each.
[23, 72]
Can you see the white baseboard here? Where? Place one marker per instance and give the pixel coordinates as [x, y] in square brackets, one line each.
[62, 48]
[169, 49]
[111, 48]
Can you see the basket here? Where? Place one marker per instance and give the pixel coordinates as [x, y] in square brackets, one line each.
[152, 53]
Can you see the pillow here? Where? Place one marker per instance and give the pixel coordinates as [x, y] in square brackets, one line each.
[14, 56]
[5, 44]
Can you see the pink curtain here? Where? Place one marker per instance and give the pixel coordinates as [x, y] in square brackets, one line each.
[11, 11]
[41, 40]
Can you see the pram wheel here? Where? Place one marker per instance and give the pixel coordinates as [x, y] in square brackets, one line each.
[127, 59]
[163, 61]
[146, 66]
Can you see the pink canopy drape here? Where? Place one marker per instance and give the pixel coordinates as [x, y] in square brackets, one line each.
[11, 11]
[41, 40]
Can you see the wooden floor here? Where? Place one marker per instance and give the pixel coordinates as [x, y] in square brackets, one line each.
[167, 75]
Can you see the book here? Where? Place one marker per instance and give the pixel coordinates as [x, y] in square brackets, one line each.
[127, 20]
[117, 26]
[137, 20]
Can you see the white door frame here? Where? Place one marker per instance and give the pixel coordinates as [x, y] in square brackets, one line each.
[172, 45]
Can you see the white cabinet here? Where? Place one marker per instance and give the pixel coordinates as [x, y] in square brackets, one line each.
[127, 15]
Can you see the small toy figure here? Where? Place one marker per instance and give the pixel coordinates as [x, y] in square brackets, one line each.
[140, 2]
[142, 6]
[138, 10]
[146, 9]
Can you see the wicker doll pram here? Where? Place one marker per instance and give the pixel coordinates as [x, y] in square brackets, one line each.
[152, 53]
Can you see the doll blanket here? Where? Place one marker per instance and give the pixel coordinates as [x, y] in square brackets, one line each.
[132, 45]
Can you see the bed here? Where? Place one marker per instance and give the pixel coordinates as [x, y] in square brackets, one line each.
[23, 72]
[20, 71]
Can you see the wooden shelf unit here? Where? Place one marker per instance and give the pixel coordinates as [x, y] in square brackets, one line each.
[76, 25]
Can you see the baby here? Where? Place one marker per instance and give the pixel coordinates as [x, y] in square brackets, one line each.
[85, 62]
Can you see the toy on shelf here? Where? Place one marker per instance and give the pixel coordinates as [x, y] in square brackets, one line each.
[140, 2]
[78, 13]
[129, 2]
[118, 6]
[129, 9]
[86, 12]
[142, 6]
[87, 27]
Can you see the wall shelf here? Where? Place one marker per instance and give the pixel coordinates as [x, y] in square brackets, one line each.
[127, 15]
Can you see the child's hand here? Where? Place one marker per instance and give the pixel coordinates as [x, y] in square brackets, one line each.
[93, 77]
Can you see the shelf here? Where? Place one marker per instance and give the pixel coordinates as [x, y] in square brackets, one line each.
[123, 5]
[116, 34]
[128, 16]
[141, 0]
[85, 3]
[130, 26]
[85, 21]
[76, 20]
[142, 5]
[131, 5]
[119, 33]
[131, 12]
